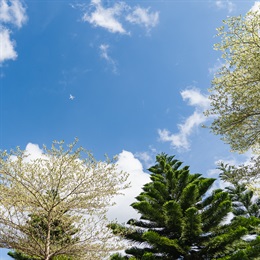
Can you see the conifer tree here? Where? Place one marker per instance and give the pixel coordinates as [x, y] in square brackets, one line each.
[244, 201]
[178, 220]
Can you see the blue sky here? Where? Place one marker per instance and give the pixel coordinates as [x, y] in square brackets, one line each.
[125, 77]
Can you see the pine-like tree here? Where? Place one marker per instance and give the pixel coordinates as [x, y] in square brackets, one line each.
[62, 232]
[244, 201]
[178, 219]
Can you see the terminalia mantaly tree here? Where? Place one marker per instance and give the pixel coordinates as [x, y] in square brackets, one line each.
[65, 184]
[236, 86]
[179, 221]
[235, 92]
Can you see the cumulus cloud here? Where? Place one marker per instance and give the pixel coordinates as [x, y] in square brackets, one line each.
[12, 12]
[33, 151]
[143, 17]
[104, 55]
[122, 211]
[7, 51]
[256, 7]
[225, 4]
[180, 140]
[112, 18]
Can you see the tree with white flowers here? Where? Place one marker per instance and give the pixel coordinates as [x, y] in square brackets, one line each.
[235, 92]
[66, 185]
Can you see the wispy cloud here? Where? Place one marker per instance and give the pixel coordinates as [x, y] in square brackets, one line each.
[147, 157]
[213, 70]
[104, 55]
[143, 17]
[195, 98]
[12, 13]
[180, 140]
[113, 18]
[225, 4]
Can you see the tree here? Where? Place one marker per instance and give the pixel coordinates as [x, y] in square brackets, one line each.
[20, 256]
[244, 201]
[62, 233]
[236, 86]
[65, 188]
[178, 220]
[248, 174]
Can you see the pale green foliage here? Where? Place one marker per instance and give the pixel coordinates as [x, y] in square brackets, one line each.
[248, 174]
[235, 98]
[67, 184]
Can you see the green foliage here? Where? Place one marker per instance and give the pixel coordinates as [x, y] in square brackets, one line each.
[236, 86]
[62, 231]
[244, 201]
[20, 256]
[179, 220]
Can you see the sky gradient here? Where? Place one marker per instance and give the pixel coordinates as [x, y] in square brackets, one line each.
[128, 78]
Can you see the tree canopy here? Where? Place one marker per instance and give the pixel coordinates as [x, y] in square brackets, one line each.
[236, 86]
[180, 220]
[56, 204]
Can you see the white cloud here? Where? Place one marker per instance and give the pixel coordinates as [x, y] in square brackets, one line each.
[180, 140]
[195, 98]
[256, 7]
[122, 211]
[13, 12]
[112, 18]
[104, 55]
[143, 17]
[7, 51]
[106, 18]
[225, 4]
[33, 151]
